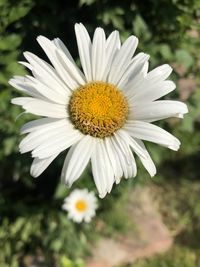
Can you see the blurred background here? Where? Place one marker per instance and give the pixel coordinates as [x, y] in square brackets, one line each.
[34, 230]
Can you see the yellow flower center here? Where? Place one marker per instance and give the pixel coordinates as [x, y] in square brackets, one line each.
[81, 205]
[98, 109]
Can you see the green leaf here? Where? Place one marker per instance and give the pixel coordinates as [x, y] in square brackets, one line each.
[86, 2]
[184, 57]
[10, 42]
[61, 191]
[166, 52]
[65, 262]
[140, 28]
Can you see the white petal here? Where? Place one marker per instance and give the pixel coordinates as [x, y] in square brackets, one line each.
[26, 64]
[50, 50]
[38, 124]
[23, 84]
[43, 133]
[102, 172]
[44, 108]
[84, 48]
[39, 165]
[122, 60]
[112, 46]
[136, 66]
[71, 68]
[38, 89]
[125, 156]
[130, 168]
[118, 172]
[126, 138]
[159, 110]
[21, 100]
[145, 69]
[47, 74]
[56, 145]
[160, 73]
[152, 133]
[147, 162]
[77, 159]
[96, 171]
[98, 58]
[107, 168]
[150, 92]
[136, 84]
[60, 45]
[47, 91]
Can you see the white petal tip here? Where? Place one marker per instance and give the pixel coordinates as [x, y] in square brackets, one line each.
[110, 189]
[34, 174]
[167, 66]
[183, 110]
[180, 116]
[18, 101]
[152, 174]
[134, 38]
[26, 53]
[117, 181]
[174, 147]
[22, 151]
[11, 82]
[102, 195]
[40, 39]
[77, 25]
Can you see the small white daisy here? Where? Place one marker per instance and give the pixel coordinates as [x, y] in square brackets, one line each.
[81, 205]
[102, 113]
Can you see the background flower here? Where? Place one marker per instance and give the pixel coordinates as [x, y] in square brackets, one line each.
[81, 205]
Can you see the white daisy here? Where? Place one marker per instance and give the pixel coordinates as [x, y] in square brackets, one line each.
[81, 205]
[102, 113]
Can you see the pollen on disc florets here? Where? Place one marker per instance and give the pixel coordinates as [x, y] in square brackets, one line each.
[98, 109]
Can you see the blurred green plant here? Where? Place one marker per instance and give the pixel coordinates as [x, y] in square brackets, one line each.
[180, 208]
[177, 257]
[10, 41]
[50, 232]
[182, 214]
[65, 262]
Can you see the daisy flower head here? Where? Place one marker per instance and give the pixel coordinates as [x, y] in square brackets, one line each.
[81, 205]
[102, 113]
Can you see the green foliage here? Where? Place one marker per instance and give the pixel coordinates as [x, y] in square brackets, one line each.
[180, 208]
[181, 213]
[114, 213]
[10, 11]
[50, 232]
[177, 257]
[10, 41]
[65, 262]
